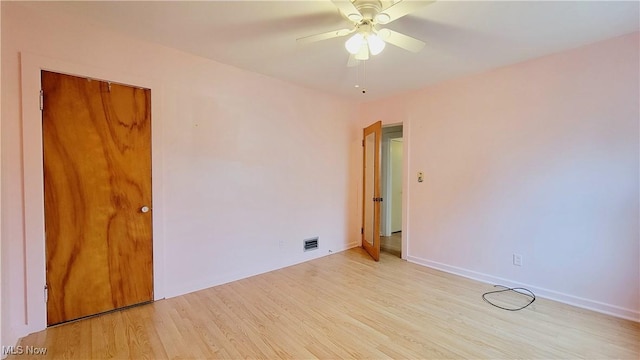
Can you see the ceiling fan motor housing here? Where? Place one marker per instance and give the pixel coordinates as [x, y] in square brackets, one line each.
[365, 27]
[368, 8]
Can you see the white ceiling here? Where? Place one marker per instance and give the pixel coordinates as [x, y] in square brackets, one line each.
[462, 37]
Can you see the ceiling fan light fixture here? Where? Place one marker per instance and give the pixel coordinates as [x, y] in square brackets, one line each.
[363, 52]
[355, 43]
[376, 44]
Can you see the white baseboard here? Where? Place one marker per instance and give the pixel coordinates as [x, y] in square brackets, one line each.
[608, 309]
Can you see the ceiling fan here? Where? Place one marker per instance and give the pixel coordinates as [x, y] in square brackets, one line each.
[366, 16]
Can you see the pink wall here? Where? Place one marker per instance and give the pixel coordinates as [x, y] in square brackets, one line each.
[539, 159]
[245, 166]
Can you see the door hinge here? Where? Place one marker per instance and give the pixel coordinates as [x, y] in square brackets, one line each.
[361, 230]
[362, 143]
[41, 99]
[46, 294]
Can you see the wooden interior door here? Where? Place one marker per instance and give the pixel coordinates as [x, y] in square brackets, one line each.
[371, 189]
[97, 189]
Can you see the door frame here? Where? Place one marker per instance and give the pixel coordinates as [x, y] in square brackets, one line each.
[406, 188]
[389, 193]
[35, 316]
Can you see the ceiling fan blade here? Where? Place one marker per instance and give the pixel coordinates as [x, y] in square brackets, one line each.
[324, 36]
[401, 40]
[400, 9]
[347, 9]
[352, 61]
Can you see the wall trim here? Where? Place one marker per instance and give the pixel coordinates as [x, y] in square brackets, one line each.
[541, 292]
[34, 318]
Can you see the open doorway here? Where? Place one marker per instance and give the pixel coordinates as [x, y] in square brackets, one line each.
[391, 187]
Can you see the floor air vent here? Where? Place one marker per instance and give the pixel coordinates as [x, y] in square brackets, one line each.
[310, 244]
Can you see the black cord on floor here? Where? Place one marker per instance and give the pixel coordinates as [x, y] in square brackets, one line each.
[530, 294]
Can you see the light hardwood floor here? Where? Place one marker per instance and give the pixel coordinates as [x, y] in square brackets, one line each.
[343, 306]
[392, 244]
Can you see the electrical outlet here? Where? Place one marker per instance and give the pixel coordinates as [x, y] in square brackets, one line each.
[517, 259]
[282, 244]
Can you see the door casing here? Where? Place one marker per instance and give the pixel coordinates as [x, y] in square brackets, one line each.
[33, 316]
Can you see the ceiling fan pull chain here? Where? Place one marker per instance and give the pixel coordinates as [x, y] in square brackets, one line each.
[364, 77]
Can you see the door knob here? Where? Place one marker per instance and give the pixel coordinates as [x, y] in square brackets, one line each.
[144, 209]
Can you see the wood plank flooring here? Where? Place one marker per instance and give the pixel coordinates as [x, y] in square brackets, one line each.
[392, 244]
[343, 306]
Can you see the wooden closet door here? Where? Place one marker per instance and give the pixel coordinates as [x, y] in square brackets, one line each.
[97, 186]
